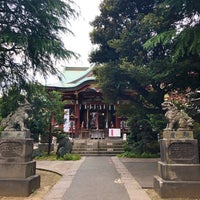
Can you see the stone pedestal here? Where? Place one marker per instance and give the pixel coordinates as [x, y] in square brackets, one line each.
[179, 168]
[17, 169]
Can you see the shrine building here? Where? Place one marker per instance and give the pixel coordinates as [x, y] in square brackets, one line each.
[86, 113]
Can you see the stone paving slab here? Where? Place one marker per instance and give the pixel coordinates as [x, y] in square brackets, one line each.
[97, 179]
[134, 174]
[133, 188]
[142, 169]
[68, 169]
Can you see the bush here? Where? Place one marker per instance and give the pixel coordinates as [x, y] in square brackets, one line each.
[70, 156]
[152, 147]
[45, 156]
[136, 155]
[53, 157]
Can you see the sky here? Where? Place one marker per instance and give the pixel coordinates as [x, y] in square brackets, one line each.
[80, 42]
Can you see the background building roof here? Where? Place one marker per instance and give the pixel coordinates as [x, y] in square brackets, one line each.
[73, 77]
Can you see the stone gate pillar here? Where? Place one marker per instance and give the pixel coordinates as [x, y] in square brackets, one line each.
[179, 169]
[17, 169]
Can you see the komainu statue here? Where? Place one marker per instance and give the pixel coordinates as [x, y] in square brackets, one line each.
[15, 120]
[177, 119]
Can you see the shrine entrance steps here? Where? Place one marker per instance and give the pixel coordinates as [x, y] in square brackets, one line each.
[98, 147]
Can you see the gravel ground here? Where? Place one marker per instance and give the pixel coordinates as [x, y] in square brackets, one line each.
[48, 180]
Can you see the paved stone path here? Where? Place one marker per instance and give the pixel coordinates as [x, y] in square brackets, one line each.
[142, 169]
[96, 178]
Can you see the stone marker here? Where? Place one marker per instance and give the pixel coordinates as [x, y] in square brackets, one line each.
[17, 169]
[179, 168]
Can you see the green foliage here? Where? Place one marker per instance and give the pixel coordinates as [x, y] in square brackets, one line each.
[144, 128]
[59, 135]
[52, 157]
[69, 156]
[187, 43]
[179, 29]
[108, 78]
[44, 105]
[164, 38]
[196, 130]
[10, 101]
[157, 121]
[117, 31]
[44, 156]
[145, 49]
[30, 32]
[135, 155]
[167, 29]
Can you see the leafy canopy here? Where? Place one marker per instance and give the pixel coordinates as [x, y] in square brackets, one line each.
[158, 36]
[45, 104]
[29, 38]
[146, 48]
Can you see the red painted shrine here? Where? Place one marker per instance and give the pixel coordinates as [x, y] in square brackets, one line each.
[86, 113]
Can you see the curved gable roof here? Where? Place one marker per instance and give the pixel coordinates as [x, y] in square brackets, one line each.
[74, 77]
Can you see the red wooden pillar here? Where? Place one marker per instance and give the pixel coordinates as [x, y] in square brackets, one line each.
[77, 120]
[117, 122]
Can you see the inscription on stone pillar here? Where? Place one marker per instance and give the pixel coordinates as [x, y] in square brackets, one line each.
[181, 151]
[11, 149]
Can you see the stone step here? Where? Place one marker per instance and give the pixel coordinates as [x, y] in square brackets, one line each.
[95, 153]
[98, 147]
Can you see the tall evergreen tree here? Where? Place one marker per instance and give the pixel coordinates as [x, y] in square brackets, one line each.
[146, 48]
[169, 32]
[118, 32]
[29, 37]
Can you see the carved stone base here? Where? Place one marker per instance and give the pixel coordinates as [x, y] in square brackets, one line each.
[179, 151]
[19, 186]
[16, 150]
[179, 172]
[17, 169]
[176, 189]
[179, 168]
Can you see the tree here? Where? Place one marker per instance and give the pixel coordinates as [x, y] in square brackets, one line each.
[29, 38]
[178, 36]
[45, 105]
[146, 49]
[181, 30]
[170, 58]
[117, 30]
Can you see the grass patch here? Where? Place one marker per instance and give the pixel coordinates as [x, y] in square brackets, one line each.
[53, 157]
[135, 155]
[70, 156]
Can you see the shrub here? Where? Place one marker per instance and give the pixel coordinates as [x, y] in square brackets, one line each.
[52, 156]
[136, 155]
[70, 156]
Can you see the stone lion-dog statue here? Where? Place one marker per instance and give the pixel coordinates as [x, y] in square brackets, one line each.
[15, 120]
[176, 119]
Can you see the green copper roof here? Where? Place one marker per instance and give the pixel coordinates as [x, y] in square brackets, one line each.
[73, 77]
